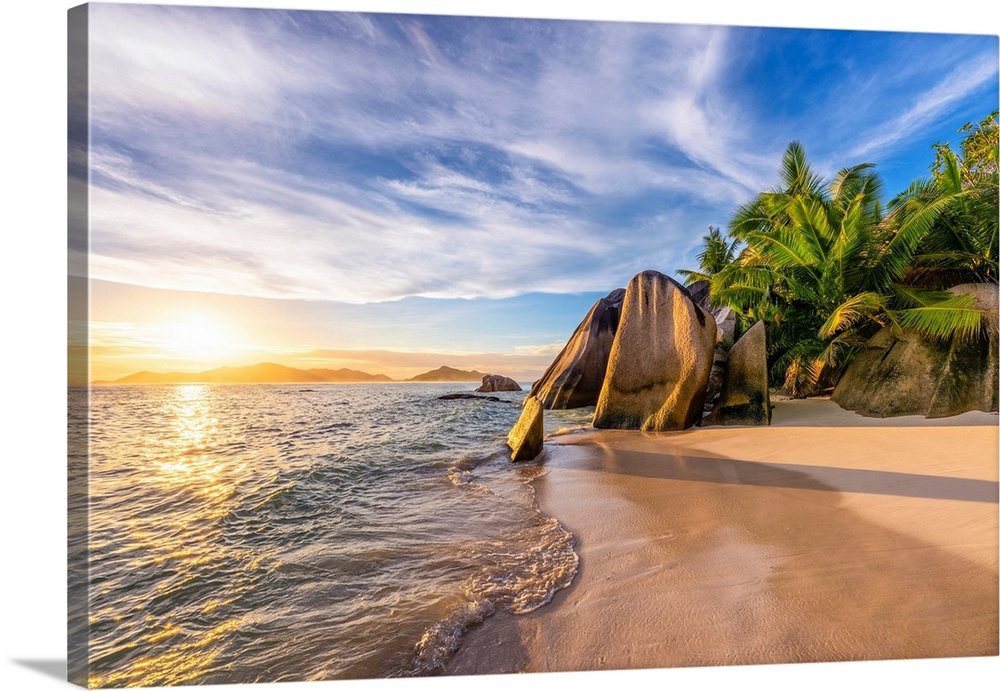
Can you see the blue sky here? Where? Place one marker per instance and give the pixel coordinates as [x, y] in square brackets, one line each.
[350, 188]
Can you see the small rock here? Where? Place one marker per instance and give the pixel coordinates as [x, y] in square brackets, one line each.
[455, 396]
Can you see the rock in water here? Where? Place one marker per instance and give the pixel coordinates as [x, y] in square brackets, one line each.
[744, 399]
[660, 359]
[525, 439]
[574, 378]
[909, 374]
[466, 396]
[496, 382]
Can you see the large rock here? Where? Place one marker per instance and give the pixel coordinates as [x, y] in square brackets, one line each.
[575, 377]
[726, 321]
[720, 363]
[908, 374]
[660, 359]
[701, 293]
[744, 399]
[498, 382]
[525, 439]
[727, 324]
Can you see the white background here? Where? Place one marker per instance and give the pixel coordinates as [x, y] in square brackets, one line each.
[32, 332]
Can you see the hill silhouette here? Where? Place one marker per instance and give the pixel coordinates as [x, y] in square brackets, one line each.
[446, 373]
[261, 373]
[272, 373]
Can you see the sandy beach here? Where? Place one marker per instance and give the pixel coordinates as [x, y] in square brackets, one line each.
[826, 536]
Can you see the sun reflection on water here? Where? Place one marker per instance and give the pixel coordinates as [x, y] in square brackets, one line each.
[241, 533]
[178, 542]
[181, 665]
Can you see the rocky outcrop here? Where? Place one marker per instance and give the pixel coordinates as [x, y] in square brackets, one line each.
[525, 439]
[720, 363]
[700, 292]
[908, 374]
[726, 321]
[660, 358]
[744, 399]
[575, 377]
[727, 324]
[497, 382]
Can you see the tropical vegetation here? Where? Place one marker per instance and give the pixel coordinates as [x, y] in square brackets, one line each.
[825, 264]
[718, 253]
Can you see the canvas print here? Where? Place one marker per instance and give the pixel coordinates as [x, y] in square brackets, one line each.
[406, 345]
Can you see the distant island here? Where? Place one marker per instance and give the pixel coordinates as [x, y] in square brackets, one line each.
[272, 373]
[449, 374]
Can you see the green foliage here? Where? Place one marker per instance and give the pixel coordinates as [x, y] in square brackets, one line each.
[951, 218]
[824, 267]
[941, 315]
[718, 253]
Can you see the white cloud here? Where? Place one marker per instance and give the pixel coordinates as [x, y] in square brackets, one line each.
[272, 238]
[151, 61]
[544, 350]
[362, 158]
[943, 95]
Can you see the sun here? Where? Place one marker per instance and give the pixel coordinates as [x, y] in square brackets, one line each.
[200, 338]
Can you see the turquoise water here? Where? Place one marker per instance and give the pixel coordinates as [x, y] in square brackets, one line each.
[244, 533]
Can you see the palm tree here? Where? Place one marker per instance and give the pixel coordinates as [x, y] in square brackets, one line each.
[947, 225]
[943, 233]
[824, 269]
[804, 268]
[718, 253]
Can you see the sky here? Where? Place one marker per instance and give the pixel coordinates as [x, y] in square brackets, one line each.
[392, 192]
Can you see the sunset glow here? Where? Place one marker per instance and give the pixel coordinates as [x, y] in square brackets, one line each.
[201, 337]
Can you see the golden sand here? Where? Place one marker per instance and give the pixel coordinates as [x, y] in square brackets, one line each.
[826, 536]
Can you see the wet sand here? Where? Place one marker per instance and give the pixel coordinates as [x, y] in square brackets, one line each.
[827, 536]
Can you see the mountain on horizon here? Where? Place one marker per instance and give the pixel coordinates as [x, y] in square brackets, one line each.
[261, 373]
[447, 374]
[272, 373]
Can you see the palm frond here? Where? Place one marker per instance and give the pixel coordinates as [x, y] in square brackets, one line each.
[752, 217]
[850, 184]
[796, 174]
[784, 249]
[800, 367]
[952, 318]
[948, 174]
[692, 276]
[908, 296]
[914, 223]
[810, 218]
[852, 311]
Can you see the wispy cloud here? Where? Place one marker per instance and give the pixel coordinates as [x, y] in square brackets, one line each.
[359, 158]
[944, 95]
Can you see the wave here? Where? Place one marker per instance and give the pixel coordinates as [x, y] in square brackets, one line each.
[346, 532]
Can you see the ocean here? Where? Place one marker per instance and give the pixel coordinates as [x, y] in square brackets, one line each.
[242, 533]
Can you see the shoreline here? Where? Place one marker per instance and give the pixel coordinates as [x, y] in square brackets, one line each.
[824, 537]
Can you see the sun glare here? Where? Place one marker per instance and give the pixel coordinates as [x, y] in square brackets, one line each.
[200, 338]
